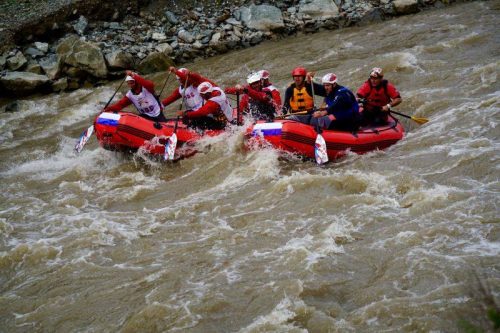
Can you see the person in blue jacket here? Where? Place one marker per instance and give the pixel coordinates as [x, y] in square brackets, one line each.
[340, 110]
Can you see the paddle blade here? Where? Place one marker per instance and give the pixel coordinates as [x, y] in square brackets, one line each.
[84, 138]
[419, 121]
[320, 150]
[170, 147]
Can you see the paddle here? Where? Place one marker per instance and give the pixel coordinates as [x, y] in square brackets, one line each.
[418, 120]
[88, 132]
[172, 140]
[171, 144]
[290, 114]
[320, 152]
[238, 110]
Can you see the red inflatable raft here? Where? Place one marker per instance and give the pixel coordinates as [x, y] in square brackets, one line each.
[128, 132]
[295, 137]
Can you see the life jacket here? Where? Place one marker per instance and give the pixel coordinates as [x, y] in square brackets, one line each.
[145, 102]
[192, 97]
[227, 110]
[378, 97]
[301, 100]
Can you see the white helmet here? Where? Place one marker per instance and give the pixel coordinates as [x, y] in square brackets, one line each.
[377, 72]
[253, 77]
[264, 74]
[205, 88]
[329, 78]
[129, 78]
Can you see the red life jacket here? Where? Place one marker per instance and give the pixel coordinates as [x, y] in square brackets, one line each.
[377, 96]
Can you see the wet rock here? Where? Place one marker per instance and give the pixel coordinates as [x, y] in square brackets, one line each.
[23, 83]
[12, 107]
[154, 62]
[262, 17]
[159, 36]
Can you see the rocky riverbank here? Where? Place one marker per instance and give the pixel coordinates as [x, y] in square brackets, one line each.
[62, 45]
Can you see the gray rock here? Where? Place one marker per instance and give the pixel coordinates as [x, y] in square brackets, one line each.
[233, 21]
[81, 26]
[43, 47]
[115, 26]
[165, 48]
[60, 85]
[33, 53]
[159, 36]
[16, 62]
[185, 36]
[52, 66]
[3, 61]
[318, 8]
[262, 17]
[12, 107]
[119, 60]
[23, 83]
[171, 17]
[154, 62]
[83, 55]
[403, 7]
[34, 68]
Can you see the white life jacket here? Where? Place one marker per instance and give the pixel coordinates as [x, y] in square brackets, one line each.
[270, 88]
[193, 99]
[145, 102]
[223, 103]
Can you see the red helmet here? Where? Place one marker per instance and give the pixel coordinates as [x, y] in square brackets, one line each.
[183, 71]
[299, 71]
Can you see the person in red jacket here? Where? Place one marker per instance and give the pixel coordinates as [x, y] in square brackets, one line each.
[378, 96]
[214, 114]
[193, 100]
[254, 101]
[142, 95]
[268, 86]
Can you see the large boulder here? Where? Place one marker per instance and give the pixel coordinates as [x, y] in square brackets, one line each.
[318, 8]
[23, 83]
[404, 7]
[120, 60]
[83, 55]
[154, 62]
[262, 17]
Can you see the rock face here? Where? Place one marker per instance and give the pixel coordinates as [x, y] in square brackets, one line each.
[83, 55]
[23, 83]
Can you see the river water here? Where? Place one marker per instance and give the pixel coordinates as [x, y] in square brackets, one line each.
[402, 240]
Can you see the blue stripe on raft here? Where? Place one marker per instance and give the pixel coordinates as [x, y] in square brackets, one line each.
[108, 122]
[267, 132]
